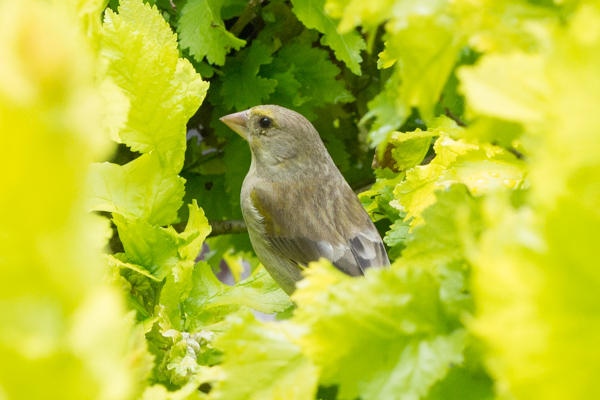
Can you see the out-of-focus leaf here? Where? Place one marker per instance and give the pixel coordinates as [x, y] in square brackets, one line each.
[426, 49]
[61, 325]
[263, 363]
[401, 316]
[489, 82]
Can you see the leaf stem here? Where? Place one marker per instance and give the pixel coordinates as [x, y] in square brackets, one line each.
[245, 17]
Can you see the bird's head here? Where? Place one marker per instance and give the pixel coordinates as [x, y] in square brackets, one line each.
[278, 137]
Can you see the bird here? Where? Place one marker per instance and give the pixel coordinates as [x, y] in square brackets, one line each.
[296, 204]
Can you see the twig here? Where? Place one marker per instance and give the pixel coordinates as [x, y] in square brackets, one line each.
[517, 153]
[450, 115]
[173, 6]
[227, 227]
[245, 17]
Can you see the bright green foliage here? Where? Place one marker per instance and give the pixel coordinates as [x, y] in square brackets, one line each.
[426, 50]
[355, 12]
[490, 80]
[535, 269]
[63, 330]
[262, 363]
[141, 52]
[439, 245]
[377, 200]
[209, 299]
[202, 31]
[389, 112]
[347, 46]
[139, 189]
[164, 90]
[400, 315]
[410, 148]
[480, 167]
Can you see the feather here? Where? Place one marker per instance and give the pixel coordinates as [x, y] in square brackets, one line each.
[349, 250]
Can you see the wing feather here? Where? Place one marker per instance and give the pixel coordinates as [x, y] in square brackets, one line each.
[351, 243]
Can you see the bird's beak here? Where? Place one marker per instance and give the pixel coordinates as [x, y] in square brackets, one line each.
[237, 122]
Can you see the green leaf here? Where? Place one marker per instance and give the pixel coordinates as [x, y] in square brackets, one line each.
[197, 229]
[210, 300]
[441, 244]
[164, 91]
[389, 111]
[286, 94]
[409, 149]
[185, 355]
[149, 246]
[377, 199]
[448, 225]
[338, 132]
[396, 237]
[208, 190]
[354, 12]
[159, 250]
[259, 291]
[314, 72]
[143, 188]
[426, 50]
[535, 264]
[119, 261]
[352, 321]
[460, 384]
[490, 86]
[262, 362]
[494, 130]
[117, 108]
[421, 364]
[202, 31]
[346, 46]
[481, 167]
[242, 88]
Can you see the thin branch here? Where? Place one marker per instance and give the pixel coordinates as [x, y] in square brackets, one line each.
[245, 17]
[517, 153]
[450, 115]
[227, 227]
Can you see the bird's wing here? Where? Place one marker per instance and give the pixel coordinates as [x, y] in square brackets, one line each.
[351, 257]
[350, 241]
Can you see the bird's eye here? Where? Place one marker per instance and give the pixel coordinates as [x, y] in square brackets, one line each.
[264, 122]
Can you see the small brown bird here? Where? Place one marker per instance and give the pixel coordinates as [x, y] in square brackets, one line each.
[296, 203]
